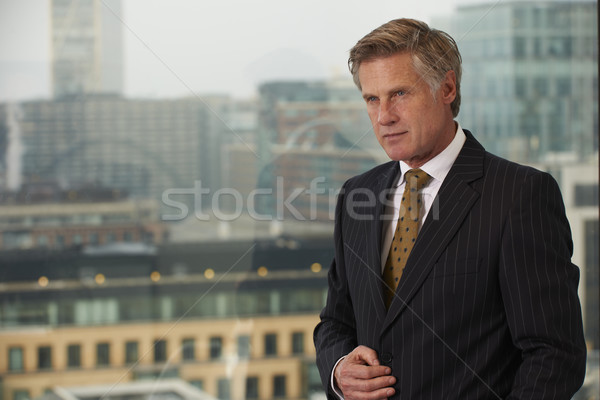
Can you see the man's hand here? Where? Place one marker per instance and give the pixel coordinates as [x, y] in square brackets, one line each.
[359, 376]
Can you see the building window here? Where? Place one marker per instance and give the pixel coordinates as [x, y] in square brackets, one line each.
[520, 88]
[197, 383]
[148, 237]
[160, 351]
[540, 85]
[131, 352]
[74, 356]
[44, 357]
[270, 344]
[102, 354]
[519, 48]
[110, 237]
[252, 387]
[93, 238]
[216, 347]
[42, 241]
[128, 237]
[223, 389]
[243, 346]
[15, 359]
[563, 87]
[12, 240]
[314, 378]
[586, 195]
[60, 241]
[279, 386]
[298, 343]
[77, 239]
[21, 394]
[188, 349]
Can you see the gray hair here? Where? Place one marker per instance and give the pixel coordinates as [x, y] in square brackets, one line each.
[433, 52]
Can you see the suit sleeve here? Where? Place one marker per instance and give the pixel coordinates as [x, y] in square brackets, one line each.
[539, 289]
[335, 335]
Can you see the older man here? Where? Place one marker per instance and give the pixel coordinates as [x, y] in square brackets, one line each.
[452, 276]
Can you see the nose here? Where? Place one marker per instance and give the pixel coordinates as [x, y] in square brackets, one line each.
[387, 113]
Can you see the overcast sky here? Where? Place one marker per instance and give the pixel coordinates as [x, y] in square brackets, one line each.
[176, 47]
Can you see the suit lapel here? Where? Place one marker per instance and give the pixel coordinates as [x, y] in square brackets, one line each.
[374, 238]
[454, 201]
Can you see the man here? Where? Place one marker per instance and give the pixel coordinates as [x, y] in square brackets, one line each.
[452, 276]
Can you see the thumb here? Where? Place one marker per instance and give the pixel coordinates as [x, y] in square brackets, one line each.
[366, 355]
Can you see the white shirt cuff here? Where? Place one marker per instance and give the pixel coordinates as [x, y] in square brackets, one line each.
[332, 381]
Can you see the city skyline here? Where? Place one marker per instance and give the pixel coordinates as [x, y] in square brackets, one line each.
[279, 41]
[182, 227]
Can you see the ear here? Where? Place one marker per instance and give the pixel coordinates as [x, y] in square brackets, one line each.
[448, 88]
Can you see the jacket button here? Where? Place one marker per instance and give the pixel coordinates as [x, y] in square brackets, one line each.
[386, 358]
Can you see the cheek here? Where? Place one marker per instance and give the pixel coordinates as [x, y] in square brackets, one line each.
[375, 126]
[427, 139]
[373, 116]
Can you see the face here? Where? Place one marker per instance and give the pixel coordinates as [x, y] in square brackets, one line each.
[411, 123]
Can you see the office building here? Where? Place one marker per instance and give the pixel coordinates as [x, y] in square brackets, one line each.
[141, 147]
[233, 318]
[229, 123]
[291, 108]
[530, 76]
[579, 185]
[312, 137]
[87, 47]
[530, 94]
[163, 390]
[44, 217]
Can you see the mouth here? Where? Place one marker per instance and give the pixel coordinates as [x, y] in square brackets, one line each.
[394, 134]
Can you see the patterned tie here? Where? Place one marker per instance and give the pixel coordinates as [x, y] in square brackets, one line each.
[406, 231]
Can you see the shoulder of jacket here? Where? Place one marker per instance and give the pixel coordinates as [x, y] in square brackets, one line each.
[513, 169]
[366, 179]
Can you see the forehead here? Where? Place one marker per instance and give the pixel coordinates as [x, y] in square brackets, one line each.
[388, 69]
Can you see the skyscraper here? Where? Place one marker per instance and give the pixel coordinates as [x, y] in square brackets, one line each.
[530, 76]
[87, 47]
[313, 136]
[140, 146]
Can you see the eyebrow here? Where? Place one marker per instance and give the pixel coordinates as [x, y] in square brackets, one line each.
[366, 96]
[403, 88]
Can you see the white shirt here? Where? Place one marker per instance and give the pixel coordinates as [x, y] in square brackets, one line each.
[438, 168]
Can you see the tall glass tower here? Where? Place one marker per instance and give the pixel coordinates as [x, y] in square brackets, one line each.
[87, 47]
[530, 76]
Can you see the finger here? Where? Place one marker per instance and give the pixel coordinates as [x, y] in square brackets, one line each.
[365, 354]
[382, 394]
[367, 385]
[358, 371]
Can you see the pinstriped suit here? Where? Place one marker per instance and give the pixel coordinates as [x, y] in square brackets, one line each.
[487, 306]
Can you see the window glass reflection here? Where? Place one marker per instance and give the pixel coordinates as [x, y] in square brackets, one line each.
[158, 218]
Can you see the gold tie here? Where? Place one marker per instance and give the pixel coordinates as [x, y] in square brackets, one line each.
[406, 231]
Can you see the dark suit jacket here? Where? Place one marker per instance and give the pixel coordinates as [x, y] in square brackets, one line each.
[487, 307]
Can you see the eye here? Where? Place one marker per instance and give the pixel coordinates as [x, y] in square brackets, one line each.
[371, 99]
[400, 93]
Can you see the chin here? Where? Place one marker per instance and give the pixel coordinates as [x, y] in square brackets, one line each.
[396, 156]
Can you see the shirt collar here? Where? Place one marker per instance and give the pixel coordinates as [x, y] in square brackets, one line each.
[439, 166]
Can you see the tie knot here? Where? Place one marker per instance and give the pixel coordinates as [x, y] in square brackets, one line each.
[416, 178]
